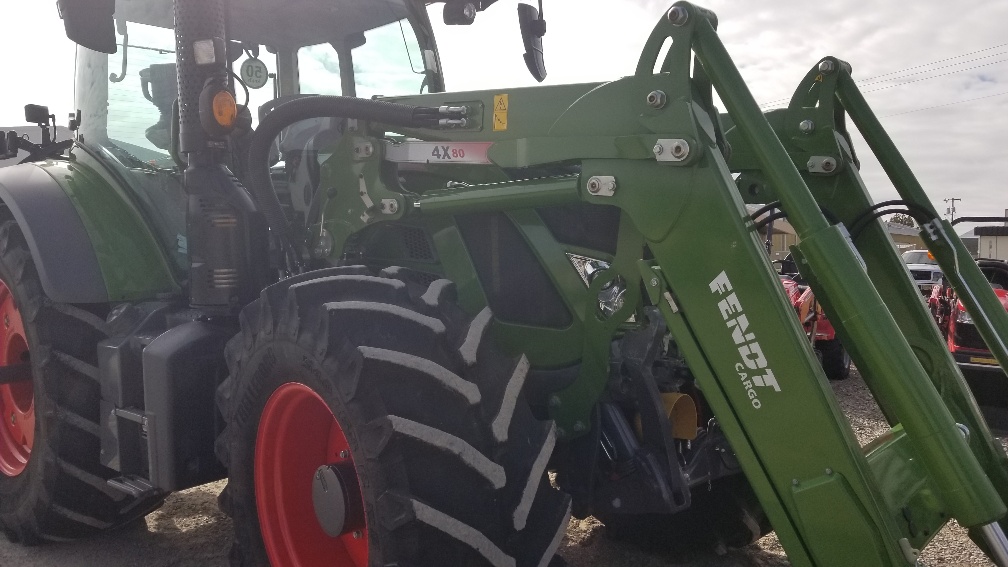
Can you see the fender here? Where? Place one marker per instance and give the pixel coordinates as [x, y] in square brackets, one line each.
[73, 220]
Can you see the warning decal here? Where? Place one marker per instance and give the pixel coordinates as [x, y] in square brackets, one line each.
[500, 115]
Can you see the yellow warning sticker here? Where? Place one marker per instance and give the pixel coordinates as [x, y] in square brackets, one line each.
[500, 117]
[983, 360]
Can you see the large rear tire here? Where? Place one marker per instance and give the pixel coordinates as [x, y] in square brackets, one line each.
[52, 484]
[381, 393]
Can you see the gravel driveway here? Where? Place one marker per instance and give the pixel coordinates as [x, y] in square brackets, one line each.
[189, 531]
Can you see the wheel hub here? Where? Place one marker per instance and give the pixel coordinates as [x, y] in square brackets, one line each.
[17, 394]
[308, 498]
[337, 499]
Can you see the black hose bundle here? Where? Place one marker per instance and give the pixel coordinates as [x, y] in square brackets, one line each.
[258, 175]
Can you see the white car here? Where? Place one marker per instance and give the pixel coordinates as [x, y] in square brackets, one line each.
[924, 269]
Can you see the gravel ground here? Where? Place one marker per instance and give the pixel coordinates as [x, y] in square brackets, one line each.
[189, 531]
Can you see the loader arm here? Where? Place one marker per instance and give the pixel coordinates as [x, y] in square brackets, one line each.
[653, 145]
[813, 130]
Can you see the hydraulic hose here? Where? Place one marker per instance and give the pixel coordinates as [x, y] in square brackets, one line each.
[258, 176]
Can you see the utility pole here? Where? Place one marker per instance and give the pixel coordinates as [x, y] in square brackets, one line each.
[950, 210]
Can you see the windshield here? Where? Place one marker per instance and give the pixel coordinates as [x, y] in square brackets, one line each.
[918, 257]
[342, 47]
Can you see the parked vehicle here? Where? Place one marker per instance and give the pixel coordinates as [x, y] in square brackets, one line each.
[924, 269]
[986, 378]
[836, 362]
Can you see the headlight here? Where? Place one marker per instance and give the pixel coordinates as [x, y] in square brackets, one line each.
[963, 317]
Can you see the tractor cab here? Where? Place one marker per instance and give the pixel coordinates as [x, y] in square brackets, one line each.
[276, 51]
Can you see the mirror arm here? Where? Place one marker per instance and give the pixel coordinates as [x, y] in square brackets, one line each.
[122, 74]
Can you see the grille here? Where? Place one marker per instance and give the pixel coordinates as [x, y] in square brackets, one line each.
[967, 336]
[416, 244]
[224, 278]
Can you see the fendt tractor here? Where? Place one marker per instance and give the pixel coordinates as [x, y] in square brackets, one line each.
[427, 329]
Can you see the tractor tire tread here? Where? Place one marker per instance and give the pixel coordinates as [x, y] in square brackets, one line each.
[62, 495]
[385, 340]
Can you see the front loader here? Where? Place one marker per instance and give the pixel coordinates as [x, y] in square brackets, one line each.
[385, 320]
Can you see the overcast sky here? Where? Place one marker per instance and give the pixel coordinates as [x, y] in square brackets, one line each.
[936, 72]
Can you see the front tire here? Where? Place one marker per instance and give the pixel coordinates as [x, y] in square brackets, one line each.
[52, 485]
[383, 389]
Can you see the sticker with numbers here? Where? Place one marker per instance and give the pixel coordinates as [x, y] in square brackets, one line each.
[254, 73]
[438, 152]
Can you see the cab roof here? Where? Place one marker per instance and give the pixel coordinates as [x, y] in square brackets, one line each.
[281, 23]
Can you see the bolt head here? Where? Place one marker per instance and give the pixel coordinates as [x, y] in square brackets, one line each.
[828, 165]
[678, 15]
[807, 126]
[826, 67]
[344, 454]
[680, 149]
[594, 185]
[656, 99]
[658, 149]
[654, 282]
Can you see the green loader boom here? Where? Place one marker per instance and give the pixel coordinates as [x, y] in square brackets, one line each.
[654, 146]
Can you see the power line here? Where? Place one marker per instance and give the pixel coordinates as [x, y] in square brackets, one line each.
[934, 76]
[867, 82]
[944, 105]
[871, 80]
[938, 61]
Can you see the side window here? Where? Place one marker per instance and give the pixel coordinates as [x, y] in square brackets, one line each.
[140, 99]
[389, 63]
[319, 70]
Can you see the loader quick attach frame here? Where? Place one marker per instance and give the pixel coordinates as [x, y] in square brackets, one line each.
[654, 146]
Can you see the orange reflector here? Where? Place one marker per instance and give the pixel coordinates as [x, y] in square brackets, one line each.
[225, 109]
[930, 255]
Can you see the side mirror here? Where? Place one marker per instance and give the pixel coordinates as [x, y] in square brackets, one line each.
[90, 23]
[458, 13]
[533, 28]
[37, 114]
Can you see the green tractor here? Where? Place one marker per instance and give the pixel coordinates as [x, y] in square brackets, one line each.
[387, 320]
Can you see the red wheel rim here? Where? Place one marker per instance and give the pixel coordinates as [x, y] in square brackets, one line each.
[298, 434]
[17, 401]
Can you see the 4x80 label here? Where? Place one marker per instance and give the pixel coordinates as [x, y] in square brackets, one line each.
[413, 151]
